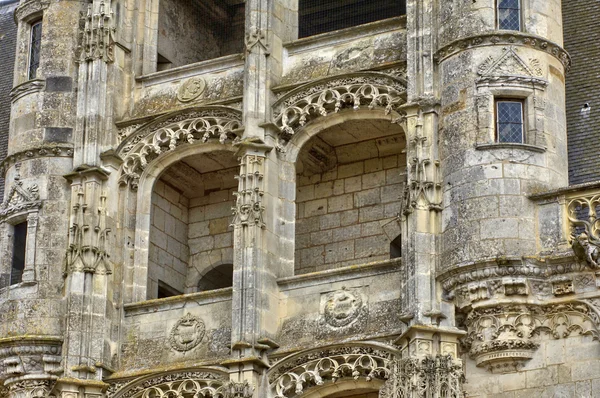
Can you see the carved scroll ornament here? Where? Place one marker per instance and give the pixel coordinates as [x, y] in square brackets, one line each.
[321, 98]
[203, 126]
[585, 228]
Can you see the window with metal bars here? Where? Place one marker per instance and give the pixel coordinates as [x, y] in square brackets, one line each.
[320, 16]
[509, 120]
[509, 14]
[34, 49]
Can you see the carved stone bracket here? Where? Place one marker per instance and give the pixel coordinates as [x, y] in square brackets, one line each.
[584, 228]
[192, 383]
[166, 134]
[439, 376]
[329, 95]
[503, 337]
[98, 33]
[294, 374]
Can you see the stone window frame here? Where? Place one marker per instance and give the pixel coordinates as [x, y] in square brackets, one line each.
[32, 26]
[531, 95]
[27, 15]
[521, 16]
[521, 102]
[31, 218]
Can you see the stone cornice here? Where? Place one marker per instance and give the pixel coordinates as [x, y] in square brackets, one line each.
[26, 88]
[33, 153]
[499, 38]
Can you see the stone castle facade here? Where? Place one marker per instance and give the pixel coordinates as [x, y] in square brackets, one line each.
[284, 198]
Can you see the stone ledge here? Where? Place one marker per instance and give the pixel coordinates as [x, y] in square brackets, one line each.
[166, 304]
[339, 274]
[578, 188]
[510, 145]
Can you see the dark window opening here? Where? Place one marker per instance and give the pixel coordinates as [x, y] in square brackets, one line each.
[165, 290]
[509, 121]
[509, 14]
[396, 247]
[192, 31]
[34, 49]
[18, 259]
[320, 16]
[217, 278]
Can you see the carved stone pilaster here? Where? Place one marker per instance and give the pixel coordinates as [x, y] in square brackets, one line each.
[98, 33]
[248, 210]
[503, 337]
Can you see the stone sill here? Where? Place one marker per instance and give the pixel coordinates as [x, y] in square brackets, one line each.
[340, 274]
[510, 145]
[174, 302]
[572, 190]
[199, 68]
[311, 43]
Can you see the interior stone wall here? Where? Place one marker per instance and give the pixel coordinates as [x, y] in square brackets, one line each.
[169, 251]
[347, 215]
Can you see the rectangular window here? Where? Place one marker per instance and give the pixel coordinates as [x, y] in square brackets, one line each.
[34, 49]
[18, 258]
[509, 14]
[509, 121]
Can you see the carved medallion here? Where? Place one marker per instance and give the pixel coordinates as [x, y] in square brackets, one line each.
[191, 89]
[342, 307]
[187, 333]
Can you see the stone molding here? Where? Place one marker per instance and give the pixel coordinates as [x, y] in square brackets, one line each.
[429, 377]
[359, 360]
[30, 10]
[502, 337]
[167, 133]
[296, 108]
[511, 69]
[20, 199]
[208, 383]
[504, 38]
[34, 153]
[29, 87]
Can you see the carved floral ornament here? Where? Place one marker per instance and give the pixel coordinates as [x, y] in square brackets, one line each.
[584, 228]
[503, 337]
[220, 124]
[183, 384]
[370, 90]
[293, 375]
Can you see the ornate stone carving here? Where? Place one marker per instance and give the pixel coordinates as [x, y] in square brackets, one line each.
[439, 376]
[422, 189]
[502, 337]
[98, 33]
[31, 389]
[506, 38]
[510, 68]
[20, 199]
[27, 9]
[43, 151]
[220, 125]
[562, 285]
[256, 37]
[89, 233]
[292, 376]
[584, 226]
[187, 333]
[137, 387]
[248, 208]
[342, 307]
[305, 103]
[191, 89]
[29, 87]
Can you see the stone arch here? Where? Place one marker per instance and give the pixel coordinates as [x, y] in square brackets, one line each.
[166, 133]
[207, 382]
[225, 266]
[315, 372]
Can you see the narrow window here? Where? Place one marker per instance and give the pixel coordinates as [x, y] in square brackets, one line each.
[34, 49]
[396, 247]
[18, 259]
[509, 14]
[509, 121]
[165, 290]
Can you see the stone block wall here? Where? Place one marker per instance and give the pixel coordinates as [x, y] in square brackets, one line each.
[169, 251]
[347, 215]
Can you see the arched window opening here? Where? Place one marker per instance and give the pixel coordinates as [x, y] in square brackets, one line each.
[190, 222]
[191, 31]
[348, 184]
[321, 16]
[217, 278]
[396, 247]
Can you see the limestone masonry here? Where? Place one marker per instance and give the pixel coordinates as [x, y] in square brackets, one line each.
[299, 198]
